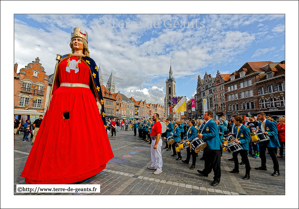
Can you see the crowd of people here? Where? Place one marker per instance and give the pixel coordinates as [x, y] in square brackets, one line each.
[215, 133]
[27, 128]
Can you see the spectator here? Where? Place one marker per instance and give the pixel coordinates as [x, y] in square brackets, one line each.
[113, 127]
[26, 133]
[225, 124]
[117, 125]
[281, 135]
[36, 126]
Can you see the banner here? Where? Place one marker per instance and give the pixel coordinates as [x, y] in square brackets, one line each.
[193, 104]
[205, 105]
[170, 110]
[181, 105]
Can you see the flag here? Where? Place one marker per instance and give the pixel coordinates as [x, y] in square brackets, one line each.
[181, 105]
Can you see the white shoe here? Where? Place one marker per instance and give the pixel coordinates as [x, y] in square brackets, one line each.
[151, 168]
[157, 172]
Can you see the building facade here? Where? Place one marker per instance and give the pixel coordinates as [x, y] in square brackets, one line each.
[30, 86]
[127, 107]
[110, 84]
[240, 91]
[270, 87]
[219, 94]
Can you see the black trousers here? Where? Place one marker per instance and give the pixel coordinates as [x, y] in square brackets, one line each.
[182, 136]
[173, 148]
[134, 131]
[272, 151]
[282, 145]
[213, 161]
[140, 132]
[189, 154]
[245, 160]
[113, 130]
[144, 134]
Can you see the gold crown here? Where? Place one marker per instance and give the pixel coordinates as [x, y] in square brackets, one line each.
[77, 33]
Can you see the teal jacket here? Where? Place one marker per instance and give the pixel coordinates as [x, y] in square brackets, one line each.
[192, 133]
[221, 131]
[177, 134]
[170, 129]
[244, 137]
[234, 129]
[271, 128]
[139, 125]
[211, 135]
[135, 125]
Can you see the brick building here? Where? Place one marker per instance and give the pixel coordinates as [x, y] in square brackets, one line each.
[219, 94]
[30, 86]
[127, 107]
[112, 103]
[271, 89]
[240, 91]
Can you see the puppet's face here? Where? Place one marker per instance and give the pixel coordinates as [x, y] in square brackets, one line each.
[77, 44]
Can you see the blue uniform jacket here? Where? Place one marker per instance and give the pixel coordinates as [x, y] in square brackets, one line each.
[192, 133]
[234, 129]
[244, 137]
[211, 135]
[182, 127]
[271, 128]
[139, 125]
[170, 129]
[177, 134]
[221, 131]
[135, 125]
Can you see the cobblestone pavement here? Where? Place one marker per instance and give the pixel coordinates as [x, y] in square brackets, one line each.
[127, 173]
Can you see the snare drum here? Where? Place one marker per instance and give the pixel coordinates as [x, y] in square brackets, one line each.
[181, 146]
[262, 137]
[170, 140]
[233, 147]
[229, 138]
[198, 144]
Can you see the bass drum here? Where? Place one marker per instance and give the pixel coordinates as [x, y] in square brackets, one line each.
[163, 127]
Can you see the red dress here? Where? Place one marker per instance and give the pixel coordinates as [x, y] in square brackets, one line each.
[281, 132]
[69, 150]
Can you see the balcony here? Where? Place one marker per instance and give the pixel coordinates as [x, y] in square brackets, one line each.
[40, 92]
[26, 90]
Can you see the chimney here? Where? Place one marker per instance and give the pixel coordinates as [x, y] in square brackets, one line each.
[16, 67]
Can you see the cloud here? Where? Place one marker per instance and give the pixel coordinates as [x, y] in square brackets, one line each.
[278, 28]
[260, 52]
[154, 94]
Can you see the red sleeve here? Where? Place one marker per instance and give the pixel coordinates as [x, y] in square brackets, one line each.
[280, 128]
[159, 128]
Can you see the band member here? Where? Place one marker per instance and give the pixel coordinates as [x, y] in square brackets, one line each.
[243, 138]
[210, 135]
[135, 125]
[140, 128]
[148, 130]
[191, 135]
[233, 130]
[169, 130]
[71, 144]
[177, 138]
[145, 128]
[202, 124]
[156, 155]
[182, 129]
[268, 128]
[220, 128]
[151, 126]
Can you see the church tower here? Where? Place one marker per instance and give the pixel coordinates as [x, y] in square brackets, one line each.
[170, 92]
[111, 84]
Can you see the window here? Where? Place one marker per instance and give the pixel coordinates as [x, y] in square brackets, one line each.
[37, 103]
[24, 101]
[169, 89]
[203, 94]
[210, 91]
[35, 73]
[237, 106]
[270, 88]
[233, 96]
[248, 105]
[235, 87]
[241, 85]
[251, 93]
[229, 97]
[27, 86]
[211, 102]
[262, 104]
[242, 74]
[233, 107]
[269, 75]
[252, 105]
[109, 103]
[236, 96]
[280, 87]
[261, 90]
[242, 95]
[249, 82]
[246, 94]
[232, 77]
[243, 106]
[228, 88]
[245, 84]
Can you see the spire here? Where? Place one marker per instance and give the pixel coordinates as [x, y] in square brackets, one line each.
[111, 79]
[170, 71]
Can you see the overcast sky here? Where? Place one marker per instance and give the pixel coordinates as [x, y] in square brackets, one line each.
[138, 48]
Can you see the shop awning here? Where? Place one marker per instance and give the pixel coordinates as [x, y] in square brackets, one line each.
[27, 112]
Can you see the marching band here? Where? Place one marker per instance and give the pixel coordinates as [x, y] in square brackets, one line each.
[214, 137]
